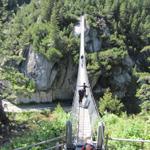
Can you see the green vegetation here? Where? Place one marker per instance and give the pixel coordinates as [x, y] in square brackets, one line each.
[120, 125]
[38, 127]
[47, 28]
[110, 104]
[106, 60]
[122, 64]
[129, 127]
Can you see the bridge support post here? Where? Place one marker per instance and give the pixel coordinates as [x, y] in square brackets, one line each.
[57, 146]
[100, 136]
[69, 144]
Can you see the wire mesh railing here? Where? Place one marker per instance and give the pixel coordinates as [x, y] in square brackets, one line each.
[83, 78]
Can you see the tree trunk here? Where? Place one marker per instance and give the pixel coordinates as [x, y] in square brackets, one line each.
[3, 118]
[4, 121]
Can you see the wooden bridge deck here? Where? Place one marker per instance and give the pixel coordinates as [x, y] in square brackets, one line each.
[83, 114]
[84, 128]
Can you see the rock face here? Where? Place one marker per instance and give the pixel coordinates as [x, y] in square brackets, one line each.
[92, 41]
[39, 69]
[120, 82]
[56, 80]
[122, 78]
[65, 82]
[118, 79]
[52, 82]
[37, 97]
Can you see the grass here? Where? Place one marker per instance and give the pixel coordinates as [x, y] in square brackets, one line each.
[129, 127]
[38, 126]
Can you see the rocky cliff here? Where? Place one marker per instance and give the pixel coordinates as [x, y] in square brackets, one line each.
[38, 43]
[57, 79]
[54, 80]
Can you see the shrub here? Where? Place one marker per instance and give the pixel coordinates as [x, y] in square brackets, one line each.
[110, 104]
[129, 127]
[42, 126]
[143, 91]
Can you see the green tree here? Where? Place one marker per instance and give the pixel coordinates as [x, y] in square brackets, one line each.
[3, 118]
[110, 104]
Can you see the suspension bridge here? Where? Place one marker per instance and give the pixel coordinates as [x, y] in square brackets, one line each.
[84, 114]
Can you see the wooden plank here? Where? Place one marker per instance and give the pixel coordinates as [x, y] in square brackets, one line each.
[84, 125]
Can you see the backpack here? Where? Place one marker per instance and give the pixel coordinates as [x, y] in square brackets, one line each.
[92, 146]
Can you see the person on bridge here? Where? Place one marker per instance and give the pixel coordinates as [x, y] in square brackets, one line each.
[82, 92]
[84, 88]
[81, 95]
[82, 58]
[86, 102]
[88, 146]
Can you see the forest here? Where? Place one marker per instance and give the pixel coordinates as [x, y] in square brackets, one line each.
[39, 53]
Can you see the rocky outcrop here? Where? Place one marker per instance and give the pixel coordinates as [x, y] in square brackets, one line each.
[118, 79]
[36, 97]
[54, 80]
[65, 82]
[122, 78]
[92, 42]
[120, 82]
[38, 68]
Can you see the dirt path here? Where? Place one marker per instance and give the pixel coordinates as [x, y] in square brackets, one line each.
[9, 107]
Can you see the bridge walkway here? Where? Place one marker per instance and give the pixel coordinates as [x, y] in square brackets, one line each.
[86, 113]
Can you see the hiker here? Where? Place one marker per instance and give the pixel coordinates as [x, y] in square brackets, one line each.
[81, 95]
[88, 146]
[86, 102]
[81, 56]
[84, 88]
[82, 60]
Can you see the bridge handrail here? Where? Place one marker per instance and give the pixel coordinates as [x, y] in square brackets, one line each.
[82, 78]
[54, 147]
[72, 111]
[129, 140]
[92, 95]
[94, 102]
[40, 143]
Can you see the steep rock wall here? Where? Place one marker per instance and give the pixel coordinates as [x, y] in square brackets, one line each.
[118, 79]
[54, 80]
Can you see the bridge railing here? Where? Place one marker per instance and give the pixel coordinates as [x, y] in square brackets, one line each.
[75, 115]
[60, 138]
[93, 110]
[141, 141]
[81, 79]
